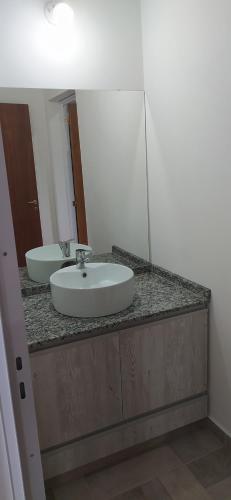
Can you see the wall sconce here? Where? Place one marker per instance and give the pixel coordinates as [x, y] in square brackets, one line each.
[59, 13]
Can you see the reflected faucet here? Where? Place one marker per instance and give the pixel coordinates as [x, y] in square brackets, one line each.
[65, 247]
[82, 256]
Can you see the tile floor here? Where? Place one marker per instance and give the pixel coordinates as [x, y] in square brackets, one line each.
[194, 465]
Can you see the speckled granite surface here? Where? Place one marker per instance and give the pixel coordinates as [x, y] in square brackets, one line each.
[29, 287]
[159, 294]
[168, 275]
[118, 256]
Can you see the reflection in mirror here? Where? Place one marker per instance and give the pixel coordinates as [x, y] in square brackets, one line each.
[76, 166]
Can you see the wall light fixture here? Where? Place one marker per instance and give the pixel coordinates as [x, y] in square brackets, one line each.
[59, 13]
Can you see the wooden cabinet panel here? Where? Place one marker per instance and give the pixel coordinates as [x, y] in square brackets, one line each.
[163, 362]
[77, 389]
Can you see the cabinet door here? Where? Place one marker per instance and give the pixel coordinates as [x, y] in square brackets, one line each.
[77, 389]
[163, 362]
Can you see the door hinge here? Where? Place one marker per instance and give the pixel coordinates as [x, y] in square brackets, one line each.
[19, 363]
[22, 390]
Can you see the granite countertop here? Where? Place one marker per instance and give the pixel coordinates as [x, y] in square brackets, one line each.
[159, 294]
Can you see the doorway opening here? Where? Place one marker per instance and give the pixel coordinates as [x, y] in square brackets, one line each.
[21, 164]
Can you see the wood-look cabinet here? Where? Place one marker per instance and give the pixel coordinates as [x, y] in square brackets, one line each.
[77, 389]
[164, 362]
[92, 384]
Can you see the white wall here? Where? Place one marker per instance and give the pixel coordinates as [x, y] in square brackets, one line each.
[112, 139]
[39, 130]
[103, 51]
[188, 84]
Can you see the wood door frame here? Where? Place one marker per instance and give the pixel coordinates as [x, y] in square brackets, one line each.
[19, 417]
[79, 202]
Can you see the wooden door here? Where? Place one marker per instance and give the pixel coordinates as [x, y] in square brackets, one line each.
[163, 363]
[19, 157]
[77, 389]
[79, 201]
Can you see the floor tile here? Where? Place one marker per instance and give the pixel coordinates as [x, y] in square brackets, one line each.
[182, 485]
[135, 494]
[221, 491]
[153, 490]
[196, 444]
[75, 490]
[49, 495]
[135, 472]
[213, 468]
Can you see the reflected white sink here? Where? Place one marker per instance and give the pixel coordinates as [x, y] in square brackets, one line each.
[99, 289]
[44, 261]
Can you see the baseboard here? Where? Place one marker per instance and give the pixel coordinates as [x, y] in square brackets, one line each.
[120, 439]
[219, 430]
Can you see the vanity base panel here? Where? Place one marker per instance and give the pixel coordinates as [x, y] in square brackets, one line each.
[77, 389]
[103, 444]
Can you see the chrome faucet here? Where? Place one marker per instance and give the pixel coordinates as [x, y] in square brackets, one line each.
[81, 257]
[65, 247]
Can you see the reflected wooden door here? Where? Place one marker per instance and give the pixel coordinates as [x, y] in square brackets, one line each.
[79, 201]
[19, 157]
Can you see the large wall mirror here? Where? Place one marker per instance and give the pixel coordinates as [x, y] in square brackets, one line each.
[76, 167]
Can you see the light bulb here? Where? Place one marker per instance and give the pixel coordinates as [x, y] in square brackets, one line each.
[60, 14]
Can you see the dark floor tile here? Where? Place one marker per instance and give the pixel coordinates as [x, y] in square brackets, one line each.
[49, 494]
[221, 491]
[153, 490]
[135, 494]
[182, 485]
[76, 490]
[213, 468]
[130, 474]
[194, 445]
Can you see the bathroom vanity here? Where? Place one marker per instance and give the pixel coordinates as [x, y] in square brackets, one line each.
[102, 385]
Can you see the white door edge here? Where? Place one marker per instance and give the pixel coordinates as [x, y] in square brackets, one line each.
[14, 487]
[13, 337]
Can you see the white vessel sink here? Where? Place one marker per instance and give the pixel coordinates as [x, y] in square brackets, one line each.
[44, 261]
[99, 289]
